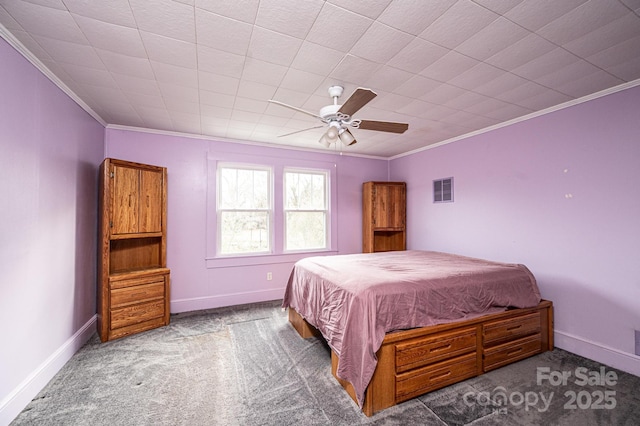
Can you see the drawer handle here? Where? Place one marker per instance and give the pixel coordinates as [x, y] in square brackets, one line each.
[515, 327]
[441, 375]
[441, 348]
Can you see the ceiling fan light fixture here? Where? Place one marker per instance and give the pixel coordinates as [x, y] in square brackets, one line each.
[346, 137]
[333, 131]
[324, 141]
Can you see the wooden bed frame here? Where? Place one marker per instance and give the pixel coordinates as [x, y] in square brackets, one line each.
[417, 361]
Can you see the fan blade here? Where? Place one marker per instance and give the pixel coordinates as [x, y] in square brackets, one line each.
[383, 126]
[295, 108]
[357, 100]
[303, 130]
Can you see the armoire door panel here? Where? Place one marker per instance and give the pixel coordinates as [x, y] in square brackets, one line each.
[125, 202]
[150, 201]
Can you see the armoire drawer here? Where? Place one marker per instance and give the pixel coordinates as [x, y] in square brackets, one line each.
[435, 376]
[134, 314]
[511, 328]
[509, 352]
[431, 349]
[129, 295]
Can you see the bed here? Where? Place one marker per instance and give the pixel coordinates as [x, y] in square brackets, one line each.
[403, 323]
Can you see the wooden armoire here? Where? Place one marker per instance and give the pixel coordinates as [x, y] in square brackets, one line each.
[384, 207]
[133, 279]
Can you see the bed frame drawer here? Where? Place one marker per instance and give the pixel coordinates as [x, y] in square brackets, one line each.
[435, 376]
[511, 328]
[428, 350]
[506, 353]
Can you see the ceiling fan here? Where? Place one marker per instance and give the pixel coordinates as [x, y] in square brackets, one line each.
[339, 117]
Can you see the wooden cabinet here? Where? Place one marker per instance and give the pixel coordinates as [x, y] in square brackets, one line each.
[384, 216]
[133, 280]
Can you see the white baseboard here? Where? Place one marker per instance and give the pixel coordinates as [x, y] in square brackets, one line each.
[210, 302]
[615, 358]
[20, 397]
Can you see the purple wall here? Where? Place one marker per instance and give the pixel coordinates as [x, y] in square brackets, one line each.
[200, 284]
[559, 193]
[50, 150]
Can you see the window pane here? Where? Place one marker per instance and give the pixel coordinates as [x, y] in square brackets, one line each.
[244, 189]
[305, 191]
[305, 230]
[244, 232]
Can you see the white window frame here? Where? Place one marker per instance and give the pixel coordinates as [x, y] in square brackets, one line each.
[327, 207]
[269, 210]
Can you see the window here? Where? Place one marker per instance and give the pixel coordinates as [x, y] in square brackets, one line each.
[443, 190]
[306, 209]
[244, 209]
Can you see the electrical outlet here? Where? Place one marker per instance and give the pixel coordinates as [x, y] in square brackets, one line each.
[269, 276]
[637, 342]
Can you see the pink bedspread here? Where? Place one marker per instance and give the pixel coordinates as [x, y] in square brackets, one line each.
[355, 299]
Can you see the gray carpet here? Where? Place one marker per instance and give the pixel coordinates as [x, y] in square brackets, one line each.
[245, 365]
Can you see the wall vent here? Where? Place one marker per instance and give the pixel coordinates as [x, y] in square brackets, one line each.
[443, 190]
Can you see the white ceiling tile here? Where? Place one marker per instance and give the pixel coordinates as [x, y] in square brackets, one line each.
[412, 16]
[466, 17]
[241, 10]
[544, 99]
[416, 87]
[505, 82]
[499, 6]
[315, 58]
[291, 97]
[113, 11]
[443, 93]
[606, 36]
[139, 99]
[169, 50]
[369, 8]
[627, 71]
[246, 116]
[534, 14]
[301, 81]
[174, 74]
[578, 22]
[115, 38]
[172, 92]
[521, 52]
[387, 78]
[45, 21]
[338, 28]
[263, 72]
[250, 105]
[566, 74]
[592, 83]
[29, 42]
[218, 83]
[464, 101]
[129, 84]
[216, 99]
[219, 62]
[92, 76]
[129, 65]
[165, 17]
[417, 55]
[273, 47]
[354, 70]
[216, 111]
[523, 91]
[55, 4]
[449, 66]
[258, 91]
[477, 76]
[222, 33]
[380, 43]
[184, 107]
[617, 54]
[508, 112]
[70, 53]
[491, 39]
[545, 64]
[8, 22]
[291, 17]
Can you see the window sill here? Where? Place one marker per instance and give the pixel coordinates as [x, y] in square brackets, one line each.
[263, 259]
